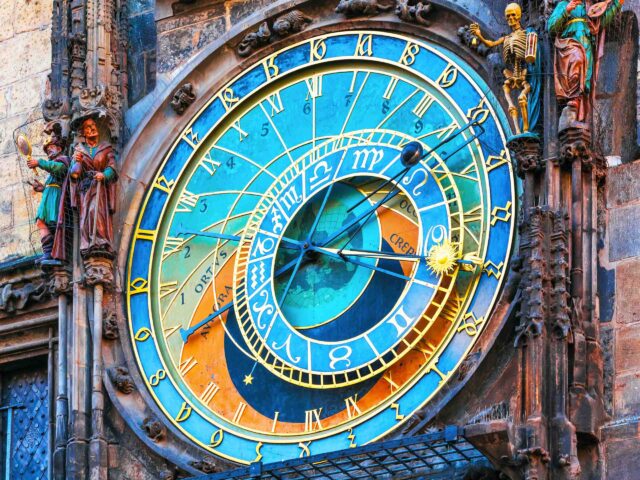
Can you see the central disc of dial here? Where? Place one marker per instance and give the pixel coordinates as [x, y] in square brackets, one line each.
[345, 290]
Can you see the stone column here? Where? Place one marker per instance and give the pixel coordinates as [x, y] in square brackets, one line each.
[99, 275]
[60, 286]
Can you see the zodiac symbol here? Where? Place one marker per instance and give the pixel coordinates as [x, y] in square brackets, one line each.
[263, 246]
[275, 219]
[287, 346]
[408, 180]
[257, 275]
[261, 309]
[343, 358]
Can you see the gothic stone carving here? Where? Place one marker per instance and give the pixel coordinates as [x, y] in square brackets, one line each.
[528, 154]
[183, 98]
[98, 271]
[471, 41]
[417, 13]
[110, 327]
[206, 465]
[121, 379]
[360, 8]
[14, 298]
[292, 22]
[59, 280]
[153, 429]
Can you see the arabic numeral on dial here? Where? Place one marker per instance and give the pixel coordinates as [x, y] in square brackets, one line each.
[418, 126]
[306, 108]
[154, 380]
[203, 205]
[231, 163]
[265, 130]
[187, 251]
[385, 107]
[347, 99]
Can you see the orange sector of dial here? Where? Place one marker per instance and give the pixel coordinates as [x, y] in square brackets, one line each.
[209, 353]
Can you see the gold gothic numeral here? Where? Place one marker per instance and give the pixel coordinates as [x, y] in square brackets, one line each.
[391, 86]
[228, 98]
[209, 393]
[275, 422]
[216, 438]
[449, 76]
[364, 47]
[469, 324]
[139, 285]
[392, 385]
[142, 335]
[506, 210]
[275, 101]
[409, 53]
[258, 454]
[186, 366]
[306, 452]
[352, 407]
[163, 184]
[242, 134]
[312, 420]
[493, 270]
[352, 439]
[149, 235]
[184, 413]
[191, 137]
[423, 105]
[239, 411]
[314, 87]
[396, 407]
[318, 49]
[479, 113]
[271, 70]
[168, 288]
[209, 164]
[495, 161]
[187, 201]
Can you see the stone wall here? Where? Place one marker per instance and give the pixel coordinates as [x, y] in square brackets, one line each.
[619, 296]
[25, 59]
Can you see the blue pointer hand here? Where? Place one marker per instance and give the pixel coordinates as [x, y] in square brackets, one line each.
[235, 238]
[187, 332]
[319, 214]
[332, 253]
[368, 211]
[293, 274]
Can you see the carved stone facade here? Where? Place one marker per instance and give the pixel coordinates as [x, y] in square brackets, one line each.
[552, 389]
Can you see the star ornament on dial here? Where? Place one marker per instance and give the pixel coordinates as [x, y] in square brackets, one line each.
[321, 248]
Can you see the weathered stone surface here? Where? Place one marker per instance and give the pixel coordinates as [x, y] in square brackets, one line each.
[24, 55]
[624, 232]
[623, 184]
[25, 95]
[628, 350]
[627, 394]
[627, 302]
[34, 15]
[623, 461]
[606, 293]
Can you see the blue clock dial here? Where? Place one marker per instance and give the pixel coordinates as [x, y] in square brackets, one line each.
[294, 285]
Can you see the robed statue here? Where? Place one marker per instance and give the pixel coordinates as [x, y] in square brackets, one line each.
[93, 181]
[579, 44]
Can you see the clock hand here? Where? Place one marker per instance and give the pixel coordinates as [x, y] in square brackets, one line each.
[185, 333]
[467, 260]
[332, 253]
[319, 214]
[235, 238]
[293, 274]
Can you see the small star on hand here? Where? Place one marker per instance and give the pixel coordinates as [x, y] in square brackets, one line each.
[248, 379]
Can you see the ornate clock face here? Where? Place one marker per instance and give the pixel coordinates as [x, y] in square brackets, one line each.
[296, 287]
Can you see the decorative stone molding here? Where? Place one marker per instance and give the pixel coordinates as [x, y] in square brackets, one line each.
[59, 280]
[575, 145]
[362, 8]
[528, 154]
[415, 13]
[98, 271]
[154, 429]
[292, 22]
[121, 379]
[13, 298]
[183, 98]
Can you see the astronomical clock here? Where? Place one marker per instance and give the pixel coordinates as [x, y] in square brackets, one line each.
[321, 246]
